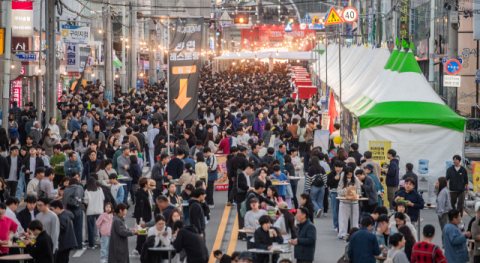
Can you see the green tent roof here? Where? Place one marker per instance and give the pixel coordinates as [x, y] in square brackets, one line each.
[397, 112]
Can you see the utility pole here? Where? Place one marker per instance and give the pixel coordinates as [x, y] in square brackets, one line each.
[107, 39]
[50, 75]
[123, 78]
[378, 27]
[152, 68]
[452, 54]
[431, 46]
[133, 49]
[6, 65]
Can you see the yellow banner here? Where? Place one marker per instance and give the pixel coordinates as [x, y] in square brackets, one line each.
[379, 151]
[2, 40]
[476, 176]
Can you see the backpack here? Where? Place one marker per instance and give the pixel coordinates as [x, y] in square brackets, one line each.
[318, 182]
[243, 207]
[390, 260]
[73, 202]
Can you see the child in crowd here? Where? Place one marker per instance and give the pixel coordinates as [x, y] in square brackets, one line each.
[104, 225]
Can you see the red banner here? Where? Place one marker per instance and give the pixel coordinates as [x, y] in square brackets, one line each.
[258, 35]
[16, 92]
[59, 90]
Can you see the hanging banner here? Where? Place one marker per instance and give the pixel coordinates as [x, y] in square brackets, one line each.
[16, 92]
[59, 91]
[184, 69]
[404, 19]
[75, 34]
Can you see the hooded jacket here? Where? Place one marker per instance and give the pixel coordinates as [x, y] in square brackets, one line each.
[392, 173]
[189, 239]
[67, 238]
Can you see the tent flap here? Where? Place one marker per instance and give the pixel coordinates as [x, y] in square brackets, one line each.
[412, 112]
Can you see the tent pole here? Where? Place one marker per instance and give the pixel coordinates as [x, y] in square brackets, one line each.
[340, 76]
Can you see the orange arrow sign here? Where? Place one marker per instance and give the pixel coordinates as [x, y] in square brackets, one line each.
[182, 99]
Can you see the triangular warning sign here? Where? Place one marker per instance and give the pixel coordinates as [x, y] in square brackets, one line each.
[333, 17]
[315, 19]
[288, 28]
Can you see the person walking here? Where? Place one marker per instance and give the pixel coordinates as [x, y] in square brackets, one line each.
[118, 247]
[304, 244]
[212, 165]
[315, 186]
[93, 200]
[66, 239]
[457, 177]
[443, 202]
[344, 210]
[197, 217]
[454, 240]
[72, 200]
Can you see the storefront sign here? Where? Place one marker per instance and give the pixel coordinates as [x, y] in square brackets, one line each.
[72, 57]
[2, 40]
[59, 90]
[75, 34]
[404, 19]
[22, 19]
[452, 81]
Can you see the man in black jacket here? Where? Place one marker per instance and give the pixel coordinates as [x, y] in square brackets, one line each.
[197, 217]
[410, 173]
[240, 160]
[30, 171]
[254, 158]
[158, 174]
[242, 188]
[29, 213]
[143, 209]
[458, 177]
[67, 240]
[353, 152]
[265, 236]
[42, 250]
[232, 191]
[176, 165]
[13, 170]
[189, 239]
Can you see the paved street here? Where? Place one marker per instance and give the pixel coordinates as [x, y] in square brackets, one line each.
[222, 234]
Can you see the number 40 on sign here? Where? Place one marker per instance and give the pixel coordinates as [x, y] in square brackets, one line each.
[350, 15]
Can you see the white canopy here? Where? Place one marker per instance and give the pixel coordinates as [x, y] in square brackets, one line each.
[299, 55]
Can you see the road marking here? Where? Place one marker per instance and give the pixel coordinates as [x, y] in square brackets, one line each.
[221, 231]
[233, 238]
[78, 253]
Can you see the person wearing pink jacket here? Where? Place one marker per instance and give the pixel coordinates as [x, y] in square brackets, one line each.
[104, 225]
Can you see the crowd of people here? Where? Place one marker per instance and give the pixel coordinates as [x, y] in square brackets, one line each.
[75, 175]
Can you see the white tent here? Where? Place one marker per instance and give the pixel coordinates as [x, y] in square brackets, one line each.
[270, 54]
[396, 105]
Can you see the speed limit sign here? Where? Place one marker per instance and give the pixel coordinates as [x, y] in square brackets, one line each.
[350, 14]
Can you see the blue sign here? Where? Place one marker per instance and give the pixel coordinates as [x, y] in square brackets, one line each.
[139, 84]
[316, 26]
[444, 60]
[306, 19]
[27, 57]
[212, 44]
[477, 76]
[461, 60]
[226, 25]
[288, 28]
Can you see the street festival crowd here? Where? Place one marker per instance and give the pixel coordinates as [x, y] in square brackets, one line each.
[75, 174]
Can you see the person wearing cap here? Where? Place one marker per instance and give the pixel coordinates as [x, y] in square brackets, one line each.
[245, 257]
[265, 236]
[189, 240]
[197, 217]
[427, 252]
[375, 165]
[368, 169]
